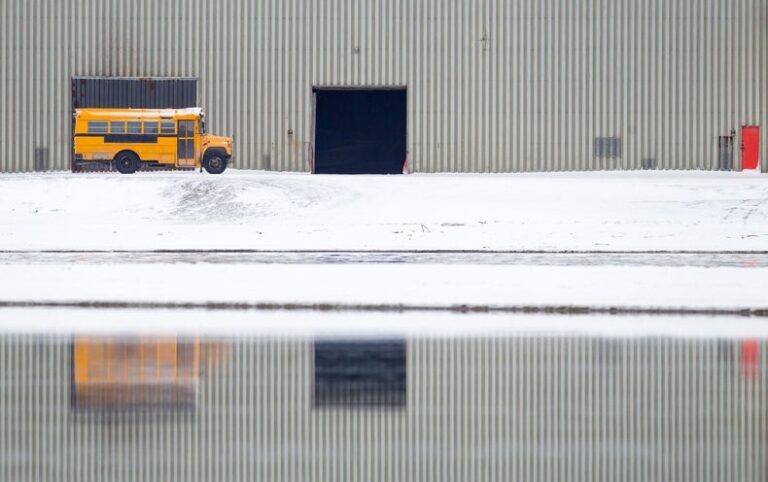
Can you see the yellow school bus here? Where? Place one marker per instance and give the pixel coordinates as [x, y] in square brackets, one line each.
[135, 139]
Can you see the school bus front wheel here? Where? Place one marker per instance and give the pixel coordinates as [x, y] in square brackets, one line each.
[214, 162]
[134, 139]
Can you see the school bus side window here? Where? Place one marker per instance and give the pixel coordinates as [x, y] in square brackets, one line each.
[134, 128]
[150, 127]
[167, 127]
[117, 127]
[97, 127]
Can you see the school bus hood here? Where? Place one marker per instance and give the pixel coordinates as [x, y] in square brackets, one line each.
[218, 141]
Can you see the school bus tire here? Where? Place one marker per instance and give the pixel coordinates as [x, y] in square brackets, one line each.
[214, 162]
[126, 162]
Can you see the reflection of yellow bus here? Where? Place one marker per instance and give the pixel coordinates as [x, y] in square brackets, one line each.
[132, 139]
[134, 372]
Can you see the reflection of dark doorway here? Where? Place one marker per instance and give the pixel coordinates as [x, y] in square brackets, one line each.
[360, 131]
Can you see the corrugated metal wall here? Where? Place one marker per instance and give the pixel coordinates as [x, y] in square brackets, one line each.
[478, 409]
[493, 85]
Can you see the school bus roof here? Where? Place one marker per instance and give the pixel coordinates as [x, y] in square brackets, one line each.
[140, 113]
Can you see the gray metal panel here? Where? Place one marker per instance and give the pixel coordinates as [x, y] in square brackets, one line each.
[493, 85]
[136, 93]
[478, 409]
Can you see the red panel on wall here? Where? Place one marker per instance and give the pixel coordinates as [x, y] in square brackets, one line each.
[750, 147]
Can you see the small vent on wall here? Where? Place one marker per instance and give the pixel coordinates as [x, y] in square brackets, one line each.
[608, 147]
[648, 163]
[41, 159]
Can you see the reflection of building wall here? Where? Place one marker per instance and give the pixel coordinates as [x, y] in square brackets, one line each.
[476, 409]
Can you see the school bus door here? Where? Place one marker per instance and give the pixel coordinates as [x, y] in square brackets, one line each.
[185, 149]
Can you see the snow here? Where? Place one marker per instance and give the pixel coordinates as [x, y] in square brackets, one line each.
[443, 285]
[605, 211]
[259, 210]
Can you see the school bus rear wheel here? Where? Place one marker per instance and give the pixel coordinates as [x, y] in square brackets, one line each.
[214, 162]
[126, 162]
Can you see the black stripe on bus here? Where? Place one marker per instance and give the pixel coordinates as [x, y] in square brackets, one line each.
[128, 138]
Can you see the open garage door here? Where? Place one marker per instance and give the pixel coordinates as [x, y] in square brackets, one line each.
[360, 131]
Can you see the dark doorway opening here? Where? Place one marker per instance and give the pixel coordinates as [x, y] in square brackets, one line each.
[360, 131]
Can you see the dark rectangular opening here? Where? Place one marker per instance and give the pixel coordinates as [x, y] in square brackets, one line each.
[725, 153]
[360, 372]
[134, 92]
[360, 131]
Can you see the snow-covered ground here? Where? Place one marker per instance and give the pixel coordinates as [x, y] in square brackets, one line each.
[641, 211]
[258, 210]
[442, 285]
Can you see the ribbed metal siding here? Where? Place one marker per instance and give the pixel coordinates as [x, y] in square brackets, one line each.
[480, 409]
[135, 93]
[493, 85]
